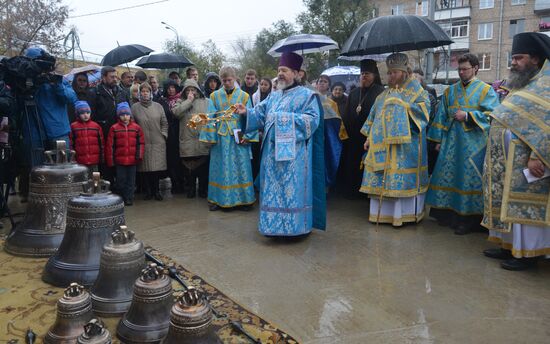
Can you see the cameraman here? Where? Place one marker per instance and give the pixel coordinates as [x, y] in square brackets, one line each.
[52, 98]
[49, 123]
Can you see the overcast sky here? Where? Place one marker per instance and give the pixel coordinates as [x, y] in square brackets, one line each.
[196, 21]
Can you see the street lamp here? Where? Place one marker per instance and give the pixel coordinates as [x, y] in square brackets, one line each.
[171, 28]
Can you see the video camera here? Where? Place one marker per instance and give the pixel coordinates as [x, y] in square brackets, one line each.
[25, 74]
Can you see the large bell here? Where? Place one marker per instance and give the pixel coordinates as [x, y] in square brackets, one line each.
[94, 333]
[121, 263]
[74, 310]
[191, 321]
[148, 318]
[91, 218]
[51, 187]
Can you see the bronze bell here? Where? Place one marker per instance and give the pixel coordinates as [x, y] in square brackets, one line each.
[191, 320]
[51, 187]
[121, 263]
[148, 318]
[74, 310]
[91, 218]
[95, 333]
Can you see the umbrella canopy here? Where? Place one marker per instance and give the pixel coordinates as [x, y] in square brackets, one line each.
[391, 34]
[348, 75]
[92, 71]
[375, 57]
[164, 61]
[303, 44]
[342, 70]
[124, 54]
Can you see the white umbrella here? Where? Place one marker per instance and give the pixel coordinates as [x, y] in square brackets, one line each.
[342, 70]
[303, 44]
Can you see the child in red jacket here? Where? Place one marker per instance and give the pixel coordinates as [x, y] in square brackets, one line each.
[86, 137]
[125, 148]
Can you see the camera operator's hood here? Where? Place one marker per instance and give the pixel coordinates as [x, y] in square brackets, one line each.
[34, 52]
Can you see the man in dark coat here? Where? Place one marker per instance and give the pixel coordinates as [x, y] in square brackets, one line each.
[107, 95]
[357, 110]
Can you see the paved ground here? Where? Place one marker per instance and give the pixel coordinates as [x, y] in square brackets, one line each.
[354, 284]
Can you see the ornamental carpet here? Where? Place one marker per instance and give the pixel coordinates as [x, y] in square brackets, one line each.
[28, 302]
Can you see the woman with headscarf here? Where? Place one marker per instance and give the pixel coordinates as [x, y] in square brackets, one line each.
[211, 84]
[338, 94]
[134, 94]
[81, 87]
[360, 101]
[194, 154]
[171, 94]
[151, 118]
[335, 132]
[264, 89]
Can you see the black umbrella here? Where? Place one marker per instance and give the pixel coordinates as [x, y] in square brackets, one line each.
[164, 61]
[391, 34]
[124, 54]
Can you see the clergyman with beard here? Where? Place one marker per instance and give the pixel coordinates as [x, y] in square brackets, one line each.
[396, 166]
[292, 168]
[459, 130]
[516, 186]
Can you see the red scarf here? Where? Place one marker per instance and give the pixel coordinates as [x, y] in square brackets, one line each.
[173, 99]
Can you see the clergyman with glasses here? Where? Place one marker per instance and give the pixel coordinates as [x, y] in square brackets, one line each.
[460, 130]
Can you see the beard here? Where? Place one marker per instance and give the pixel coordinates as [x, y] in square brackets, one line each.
[283, 84]
[398, 81]
[520, 78]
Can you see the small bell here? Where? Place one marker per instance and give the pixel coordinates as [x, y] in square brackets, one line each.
[190, 320]
[74, 310]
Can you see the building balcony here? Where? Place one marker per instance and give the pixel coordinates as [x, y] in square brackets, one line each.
[542, 6]
[462, 43]
[448, 13]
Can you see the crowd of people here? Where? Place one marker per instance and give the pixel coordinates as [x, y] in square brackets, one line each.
[477, 161]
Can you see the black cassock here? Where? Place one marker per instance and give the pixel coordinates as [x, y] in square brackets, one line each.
[350, 174]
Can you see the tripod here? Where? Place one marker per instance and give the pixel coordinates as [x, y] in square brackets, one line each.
[5, 177]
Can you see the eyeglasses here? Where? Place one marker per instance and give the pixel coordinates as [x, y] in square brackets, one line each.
[464, 69]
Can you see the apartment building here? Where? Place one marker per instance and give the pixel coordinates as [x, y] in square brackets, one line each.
[481, 27]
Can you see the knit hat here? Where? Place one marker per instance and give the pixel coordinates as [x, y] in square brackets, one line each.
[123, 109]
[81, 106]
[398, 61]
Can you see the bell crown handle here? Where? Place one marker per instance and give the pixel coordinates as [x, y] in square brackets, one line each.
[93, 328]
[123, 235]
[73, 290]
[191, 297]
[151, 273]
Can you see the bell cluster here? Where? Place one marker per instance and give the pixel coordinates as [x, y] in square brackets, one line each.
[101, 264]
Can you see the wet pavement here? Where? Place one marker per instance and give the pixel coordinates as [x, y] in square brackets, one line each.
[354, 283]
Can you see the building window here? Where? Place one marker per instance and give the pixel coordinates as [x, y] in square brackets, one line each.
[516, 26]
[457, 29]
[518, 2]
[485, 31]
[446, 4]
[484, 61]
[422, 8]
[486, 4]
[398, 9]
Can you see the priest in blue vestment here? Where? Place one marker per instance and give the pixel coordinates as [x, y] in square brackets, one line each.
[396, 170]
[292, 169]
[460, 129]
[230, 182]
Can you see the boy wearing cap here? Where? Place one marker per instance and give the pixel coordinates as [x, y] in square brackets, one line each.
[86, 137]
[124, 150]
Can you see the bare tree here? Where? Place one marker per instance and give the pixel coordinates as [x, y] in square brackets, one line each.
[26, 22]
